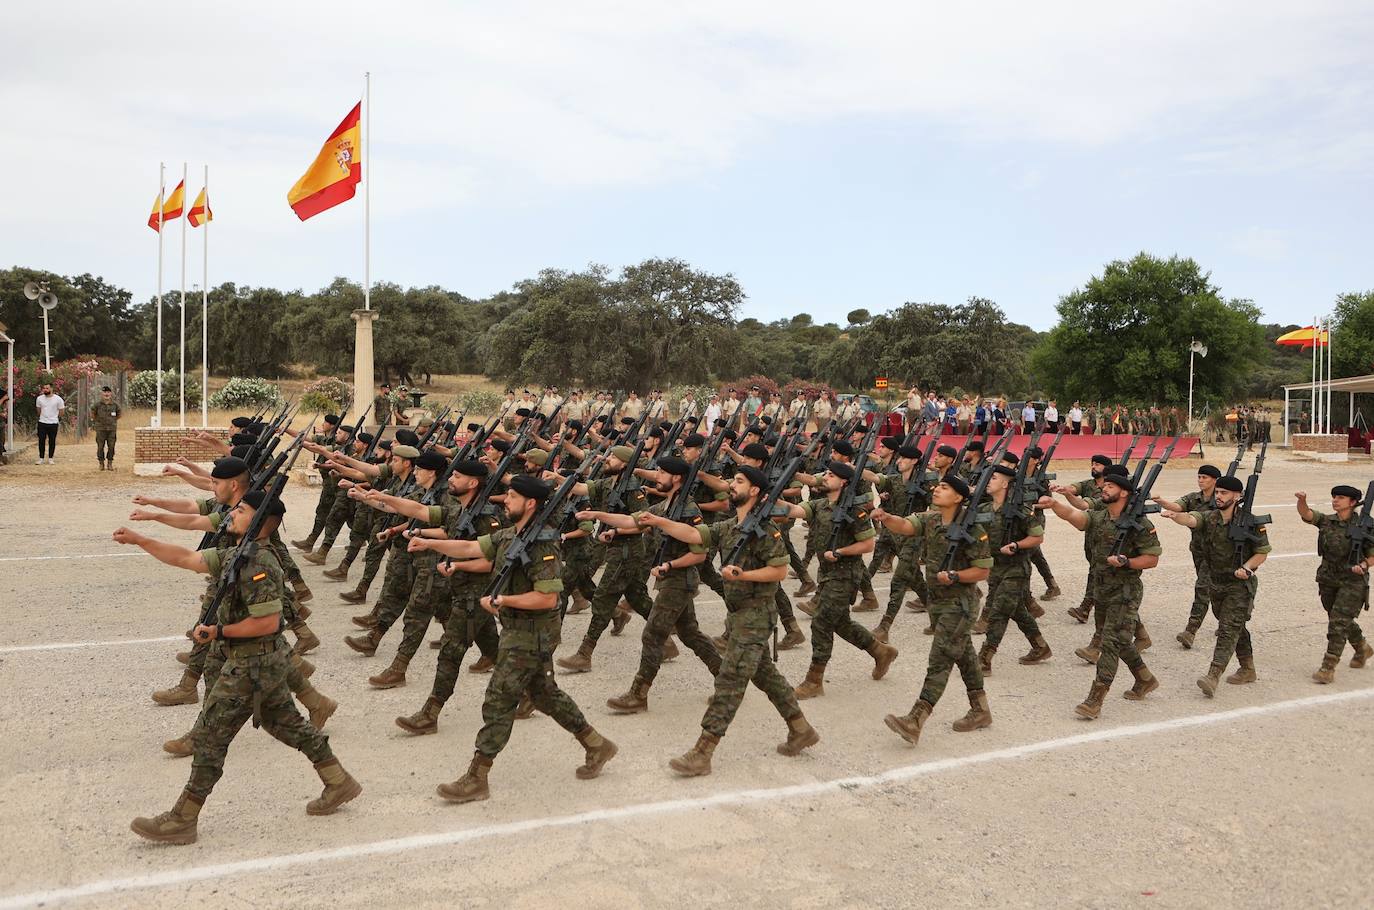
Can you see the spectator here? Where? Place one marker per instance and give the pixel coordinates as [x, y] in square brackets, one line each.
[980, 417]
[965, 415]
[713, 413]
[951, 411]
[1028, 417]
[1052, 417]
[1076, 419]
[50, 408]
[999, 417]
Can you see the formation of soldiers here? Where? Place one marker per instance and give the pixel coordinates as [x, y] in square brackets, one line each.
[497, 530]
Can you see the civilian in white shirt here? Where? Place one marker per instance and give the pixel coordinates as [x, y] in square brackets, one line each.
[50, 408]
[1076, 418]
[713, 413]
[1028, 418]
[1052, 418]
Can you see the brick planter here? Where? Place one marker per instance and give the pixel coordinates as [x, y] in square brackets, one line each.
[1321, 446]
[158, 446]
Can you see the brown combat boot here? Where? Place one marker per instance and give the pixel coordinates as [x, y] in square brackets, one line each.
[696, 761]
[184, 658]
[525, 709]
[1145, 683]
[887, 564]
[578, 604]
[1092, 706]
[883, 655]
[800, 735]
[1142, 638]
[581, 661]
[979, 714]
[808, 607]
[301, 590]
[366, 620]
[868, 604]
[316, 557]
[185, 692]
[472, 786]
[1208, 683]
[1363, 651]
[483, 664]
[620, 618]
[808, 585]
[670, 651]
[1186, 637]
[1082, 611]
[303, 666]
[930, 629]
[1245, 673]
[307, 544]
[916, 605]
[814, 684]
[339, 788]
[980, 625]
[985, 656]
[339, 572]
[1093, 651]
[794, 636]
[1327, 673]
[175, 827]
[365, 644]
[182, 747]
[1039, 652]
[423, 721]
[633, 701]
[306, 640]
[1033, 605]
[320, 706]
[1052, 591]
[599, 751]
[392, 677]
[882, 630]
[908, 726]
[357, 595]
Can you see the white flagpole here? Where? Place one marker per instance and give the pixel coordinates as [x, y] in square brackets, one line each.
[161, 204]
[1330, 371]
[205, 312]
[183, 293]
[367, 194]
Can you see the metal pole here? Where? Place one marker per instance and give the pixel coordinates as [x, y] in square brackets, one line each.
[367, 191]
[47, 349]
[205, 313]
[1285, 416]
[162, 203]
[184, 219]
[1330, 371]
[1191, 355]
[9, 397]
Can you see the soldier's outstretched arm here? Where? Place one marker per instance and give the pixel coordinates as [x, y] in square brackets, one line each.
[688, 534]
[1076, 517]
[169, 553]
[463, 549]
[178, 520]
[184, 506]
[894, 523]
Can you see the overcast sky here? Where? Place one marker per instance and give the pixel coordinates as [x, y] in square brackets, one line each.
[831, 156]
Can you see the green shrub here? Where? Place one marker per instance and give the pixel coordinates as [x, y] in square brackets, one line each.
[329, 393]
[241, 393]
[479, 403]
[142, 389]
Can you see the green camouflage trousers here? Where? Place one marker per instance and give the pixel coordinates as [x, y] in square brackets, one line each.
[524, 661]
[288, 565]
[578, 568]
[105, 444]
[835, 593]
[341, 512]
[885, 547]
[329, 495]
[748, 629]
[907, 575]
[953, 646]
[1342, 604]
[1202, 594]
[1007, 593]
[249, 687]
[626, 574]
[1120, 616]
[396, 585]
[467, 624]
[428, 600]
[710, 577]
[673, 611]
[364, 530]
[1234, 601]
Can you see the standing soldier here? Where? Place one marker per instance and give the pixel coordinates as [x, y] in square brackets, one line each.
[105, 421]
[1232, 587]
[381, 405]
[1201, 501]
[750, 587]
[951, 605]
[1342, 578]
[253, 681]
[1011, 541]
[632, 407]
[530, 626]
[1119, 586]
[821, 411]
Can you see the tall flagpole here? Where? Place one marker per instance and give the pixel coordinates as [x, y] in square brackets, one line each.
[205, 312]
[367, 195]
[161, 204]
[184, 219]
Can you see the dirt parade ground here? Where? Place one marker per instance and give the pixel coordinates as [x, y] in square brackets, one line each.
[1261, 797]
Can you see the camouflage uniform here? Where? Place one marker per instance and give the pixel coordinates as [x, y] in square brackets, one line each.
[910, 551]
[1009, 580]
[1118, 592]
[105, 422]
[1233, 599]
[952, 608]
[524, 661]
[416, 594]
[1343, 593]
[707, 572]
[329, 487]
[253, 679]
[467, 622]
[749, 622]
[838, 581]
[627, 565]
[673, 610]
[1202, 589]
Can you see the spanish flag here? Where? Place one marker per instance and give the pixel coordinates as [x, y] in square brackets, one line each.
[170, 209]
[200, 210]
[334, 175]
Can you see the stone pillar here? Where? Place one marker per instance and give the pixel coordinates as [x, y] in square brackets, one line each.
[363, 392]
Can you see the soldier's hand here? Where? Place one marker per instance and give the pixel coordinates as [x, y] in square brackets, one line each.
[606, 536]
[204, 634]
[830, 556]
[1060, 488]
[383, 537]
[417, 544]
[184, 461]
[733, 573]
[126, 536]
[488, 605]
[946, 578]
[647, 518]
[447, 569]
[1301, 496]
[880, 514]
[1045, 502]
[661, 571]
[1118, 561]
[170, 471]
[1009, 550]
[141, 500]
[142, 515]
[1358, 568]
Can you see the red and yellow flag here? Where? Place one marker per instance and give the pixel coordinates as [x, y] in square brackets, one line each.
[334, 175]
[200, 210]
[170, 209]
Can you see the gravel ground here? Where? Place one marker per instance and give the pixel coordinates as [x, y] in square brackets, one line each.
[1248, 800]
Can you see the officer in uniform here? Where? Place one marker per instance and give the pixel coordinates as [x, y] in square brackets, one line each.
[105, 415]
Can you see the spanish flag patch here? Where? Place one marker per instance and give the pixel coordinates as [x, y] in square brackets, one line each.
[260, 576]
[550, 556]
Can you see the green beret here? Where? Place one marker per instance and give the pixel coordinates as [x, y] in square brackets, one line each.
[624, 453]
[404, 451]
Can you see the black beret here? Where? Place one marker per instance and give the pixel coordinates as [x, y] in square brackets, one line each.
[331, 418]
[474, 427]
[385, 444]
[242, 422]
[1004, 470]
[947, 451]
[242, 439]
[892, 442]
[500, 445]
[772, 439]
[693, 441]
[225, 468]
[471, 467]
[522, 412]
[256, 427]
[766, 420]
[1011, 458]
[627, 421]
[240, 451]
[730, 435]
[754, 476]
[255, 498]
[1119, 480]
[530, 486]
[407, 437]
[909, 452]
[601, 418]
[1230, 483]
[1345, 489]
[1118, 470]
[365, 438]
[956, 484]
[574, 424]
[753, 428]
[1209, 470]
[976, 445]
[755, 450]
[674, 465]
[843, 448]
[431, 460]
[665, 425]
[1035, 452]
[1101, 459]
[656, 433]
[720, 421]
[840, 469]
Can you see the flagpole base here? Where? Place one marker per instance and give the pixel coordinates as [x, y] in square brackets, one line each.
[362, 362]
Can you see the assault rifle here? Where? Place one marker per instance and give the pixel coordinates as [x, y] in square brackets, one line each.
[760, 518]
[960, 531]
[1235, 462]
[1140, 468]
[357, 428]
[1016, 491]
[843, 512]
[677, 508]
[1361, 532]
[1139, 505]
[615, 497]
[371, 449]
[1130, 447]
[916, 489]
[1040, 482]
[517, 552]
[1245, 524]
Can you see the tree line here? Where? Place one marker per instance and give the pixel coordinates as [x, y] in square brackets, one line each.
[1122, 336]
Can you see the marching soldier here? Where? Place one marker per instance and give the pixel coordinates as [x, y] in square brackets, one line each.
[1204, 500]
[329, 440]
[1011, 543]
[897, 500]
[1342, 578]
[400, 568]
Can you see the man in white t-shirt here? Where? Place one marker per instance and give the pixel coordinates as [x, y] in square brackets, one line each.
[1052, 417]
[1076, 418]
[1028, 418]
[50, 408]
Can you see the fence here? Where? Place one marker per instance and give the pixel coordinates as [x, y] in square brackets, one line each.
[88, 393]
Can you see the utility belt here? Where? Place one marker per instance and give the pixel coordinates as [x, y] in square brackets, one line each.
[252, 647]
[529, 620]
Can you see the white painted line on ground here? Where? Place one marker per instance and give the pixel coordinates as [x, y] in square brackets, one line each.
[390, 846]
[70, 645]
[1291, 555]
[82, 556]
